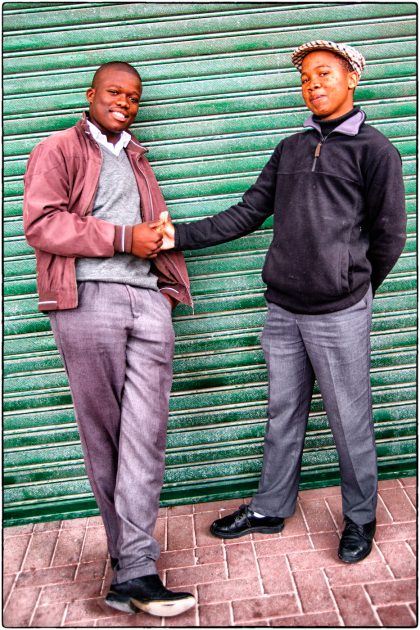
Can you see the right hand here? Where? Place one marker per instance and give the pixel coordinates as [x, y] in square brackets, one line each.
[147, 241]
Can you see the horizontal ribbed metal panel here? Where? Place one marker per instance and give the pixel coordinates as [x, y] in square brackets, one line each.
[219, 94]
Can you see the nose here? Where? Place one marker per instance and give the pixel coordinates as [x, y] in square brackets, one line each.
[122, 100]
[314, 84]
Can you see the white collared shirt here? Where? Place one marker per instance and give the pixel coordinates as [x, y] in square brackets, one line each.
[102, 139]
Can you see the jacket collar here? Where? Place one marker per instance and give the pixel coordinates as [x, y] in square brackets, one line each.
[134, 145]
[349, 127]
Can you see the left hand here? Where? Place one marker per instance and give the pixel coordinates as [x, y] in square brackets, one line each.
[166, 230]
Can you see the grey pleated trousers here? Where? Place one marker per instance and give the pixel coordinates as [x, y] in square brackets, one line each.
[335, 349]
[117, 348]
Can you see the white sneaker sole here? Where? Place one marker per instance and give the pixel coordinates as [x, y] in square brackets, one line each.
[159, 608]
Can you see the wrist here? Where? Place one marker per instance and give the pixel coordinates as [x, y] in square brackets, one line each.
[123, 238]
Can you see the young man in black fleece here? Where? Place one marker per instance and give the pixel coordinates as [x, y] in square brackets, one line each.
[336, 192]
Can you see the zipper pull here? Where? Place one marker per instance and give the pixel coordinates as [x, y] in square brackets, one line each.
[316, 154]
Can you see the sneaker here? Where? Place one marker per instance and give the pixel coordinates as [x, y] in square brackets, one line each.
[148, 594]
[356, 540]
[243, 521]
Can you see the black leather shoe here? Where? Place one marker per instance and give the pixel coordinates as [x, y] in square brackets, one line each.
[244, 522]
[148, 594]
[356, 540]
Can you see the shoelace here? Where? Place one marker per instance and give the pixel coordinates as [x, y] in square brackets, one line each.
[353, 531]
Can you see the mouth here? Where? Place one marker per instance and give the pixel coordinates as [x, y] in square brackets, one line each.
[315, 100]
[119, 116]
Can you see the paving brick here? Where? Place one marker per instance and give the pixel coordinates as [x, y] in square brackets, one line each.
[326, 540]
[411, 491]
[408, 481]
[139, 620]
[70, 592]
[180, 533]
[228, 590]
[295, 525]
[19, 609]
[318, 558]
[69, 546]
[196, 575]
[252, 622]
[413, 606]
[202, 522]
[395, 531]
[282, 545]
[398, 504]
[259, 536]
[47, 526]
[362, 573]
[49, 616]
[354, 606]
[95, 546]
[179, 510]
[396, 615]
[225, 507]
[91, 570]
[215, 614]
[159, 533]
[89, 609]
[95, 521]
[413, 545]
[313, 591]
[275, 574]
[14, 552]
[263, 607]
[392, 592]
[40, 577]
[241, 561]
[383, 515]
[8, 581]
[335, 506]
[40, 550]
[317, 516]
[17, 530]
[74, 522]
[163, 512]
[324, 619]
[319, 493]
[400, 558]
[214, 553]
[388, 483]
[174, 559]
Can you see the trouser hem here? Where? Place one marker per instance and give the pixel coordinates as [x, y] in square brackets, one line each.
[123, 575]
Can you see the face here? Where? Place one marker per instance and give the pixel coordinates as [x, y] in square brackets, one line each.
[114, 101]
[327, 87]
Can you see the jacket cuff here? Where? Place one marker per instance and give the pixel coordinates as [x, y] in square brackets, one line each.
[123, 238]
[178, 236]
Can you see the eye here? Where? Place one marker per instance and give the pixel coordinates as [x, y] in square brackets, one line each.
[133, 99]
[304, 81]
[113, 91]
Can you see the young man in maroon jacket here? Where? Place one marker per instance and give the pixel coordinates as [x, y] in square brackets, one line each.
[337, 195]
[91, 211]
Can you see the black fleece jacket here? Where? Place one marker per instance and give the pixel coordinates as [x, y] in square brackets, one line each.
[339, 216]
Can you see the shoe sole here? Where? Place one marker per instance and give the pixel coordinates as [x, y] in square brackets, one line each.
[260, 530]
[158, 608]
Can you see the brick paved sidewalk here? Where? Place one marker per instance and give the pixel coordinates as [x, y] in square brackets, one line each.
[56, 574]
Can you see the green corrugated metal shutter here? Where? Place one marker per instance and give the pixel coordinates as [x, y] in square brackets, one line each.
[219, 94]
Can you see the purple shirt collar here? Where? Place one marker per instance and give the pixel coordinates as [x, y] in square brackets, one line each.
[349, 127]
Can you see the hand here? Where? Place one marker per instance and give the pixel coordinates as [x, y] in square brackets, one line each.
[147, 240]
[167, 231]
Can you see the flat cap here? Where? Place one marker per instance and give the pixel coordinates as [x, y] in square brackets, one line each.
[355, 59]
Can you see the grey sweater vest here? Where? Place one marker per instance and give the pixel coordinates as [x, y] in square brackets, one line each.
[117, 201]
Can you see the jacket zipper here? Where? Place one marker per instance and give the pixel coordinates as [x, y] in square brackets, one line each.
[318, 149]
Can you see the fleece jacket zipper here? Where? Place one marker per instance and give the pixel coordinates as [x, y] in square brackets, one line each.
[319, 147]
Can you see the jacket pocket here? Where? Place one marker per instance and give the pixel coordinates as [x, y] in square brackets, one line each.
[346, 268]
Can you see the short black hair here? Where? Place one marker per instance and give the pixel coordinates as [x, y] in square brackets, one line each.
[344, 62]
[122, 64]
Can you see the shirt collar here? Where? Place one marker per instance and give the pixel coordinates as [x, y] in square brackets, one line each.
[102, 139]
[349, 127]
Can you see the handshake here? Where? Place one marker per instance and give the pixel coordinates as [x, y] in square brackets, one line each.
[152, 237]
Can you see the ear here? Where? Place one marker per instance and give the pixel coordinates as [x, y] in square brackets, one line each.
[353, 80]
[90, 93]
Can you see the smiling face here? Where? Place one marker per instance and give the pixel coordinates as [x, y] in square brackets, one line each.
[327, 87]
[114, 101]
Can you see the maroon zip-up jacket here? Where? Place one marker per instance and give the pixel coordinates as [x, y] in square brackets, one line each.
[61, 180]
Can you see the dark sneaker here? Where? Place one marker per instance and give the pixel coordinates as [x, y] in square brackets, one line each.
[148, 594]
[356, 540]
[244, 522]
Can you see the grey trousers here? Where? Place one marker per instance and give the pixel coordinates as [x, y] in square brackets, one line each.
[117, 349]
[334, 349]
